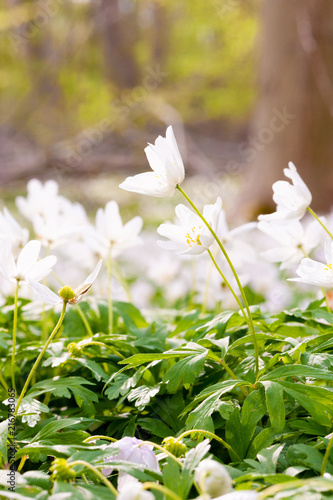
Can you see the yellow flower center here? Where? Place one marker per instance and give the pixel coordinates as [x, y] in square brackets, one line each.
[193, 236]
[328, 267]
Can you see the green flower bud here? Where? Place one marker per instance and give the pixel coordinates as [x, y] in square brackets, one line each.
[62, 471]
[67, 293]
[177, 448]
[74, 350]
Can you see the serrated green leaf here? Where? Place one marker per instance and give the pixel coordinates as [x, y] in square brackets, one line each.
[275, 404]
[298, 371]
[184, 372]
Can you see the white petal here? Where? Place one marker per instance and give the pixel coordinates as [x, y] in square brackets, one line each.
[44, 293]
[42, 268]
[7, 263]
[91, 278]
[28, 257]
[148, 183]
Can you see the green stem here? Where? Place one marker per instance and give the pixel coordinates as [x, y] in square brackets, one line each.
[41, 354]
[122, 280]
[251, 325]
[206, 292]
[232, 375]
[4, 383]
[110, 294]
[227, 283]
[14, 332]
[158, 447]
[159, 487]
[326, 456]
[320, 222]
[84, 320]
[212, 435]
[97, 472]
[106, 438]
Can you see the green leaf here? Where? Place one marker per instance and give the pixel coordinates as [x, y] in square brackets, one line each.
[275, 404]
[142, 395]
[184, 372]
[155, 426]
[303, 454]
[3, 441]
[53, 427]
[130, 314]
[298, 371]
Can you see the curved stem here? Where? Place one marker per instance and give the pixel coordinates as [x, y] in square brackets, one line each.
[14, 332]
[159, 487]
[110, 306]
[326, 456]
[158, 447]
[320, 222]
[41, 354]
[232, 375]
[246, 304]
[227, 283]
[93, 438]
[98, 473]
[212, 435]
[84, 320]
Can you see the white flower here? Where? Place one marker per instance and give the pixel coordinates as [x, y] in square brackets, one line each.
[109, 233]
[292, 199]
[316, 273]
[213, 478]
[27, 266]
[131, 450]
[239, 495]
[167, 165]
[135, 492]
[66, 293]
[11, 229]
[192, 236]
[294, 241]
[40, 199]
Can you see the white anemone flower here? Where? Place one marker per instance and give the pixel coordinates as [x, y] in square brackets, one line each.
[212, 478]
[292, 200]
[192, 236]
[135, 492]
[168, 169]
[11, 229]
[40, 200]
[134, 450]
[66, 293]
[316, 273]
[27, 267]
[294, 240]
[109, 233]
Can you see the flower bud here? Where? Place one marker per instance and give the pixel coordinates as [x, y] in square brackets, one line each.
[212, 478]
[177, 448]
[67, 293]
[74, 350]
[62, 471]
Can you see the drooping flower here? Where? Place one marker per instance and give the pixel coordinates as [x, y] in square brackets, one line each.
[168, 169]
[292, 200]
[27, 268]
[191, 236]
[212, 478]
[294, 241]
[109, 233]
[131, 450]
[11, 229]
[66, 293]
[135, 492]
[317, 273]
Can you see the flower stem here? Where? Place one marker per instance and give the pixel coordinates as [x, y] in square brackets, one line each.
[227, 283]
[41, 354]
[159, 487]
[97, 472]
[209, 434]
[14, 332]
[326, 456]
[158, 447]
[106, 438]
[110, 305]
[84, 320]
[232, 375]
[246, 304]
[320, 222]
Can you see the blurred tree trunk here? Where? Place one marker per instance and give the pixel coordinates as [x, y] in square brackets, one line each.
[293, 119]
[116, 24]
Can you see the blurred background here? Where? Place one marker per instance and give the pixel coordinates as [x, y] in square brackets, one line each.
[247, 85]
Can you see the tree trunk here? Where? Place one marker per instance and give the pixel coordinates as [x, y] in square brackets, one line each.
[293, 119]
